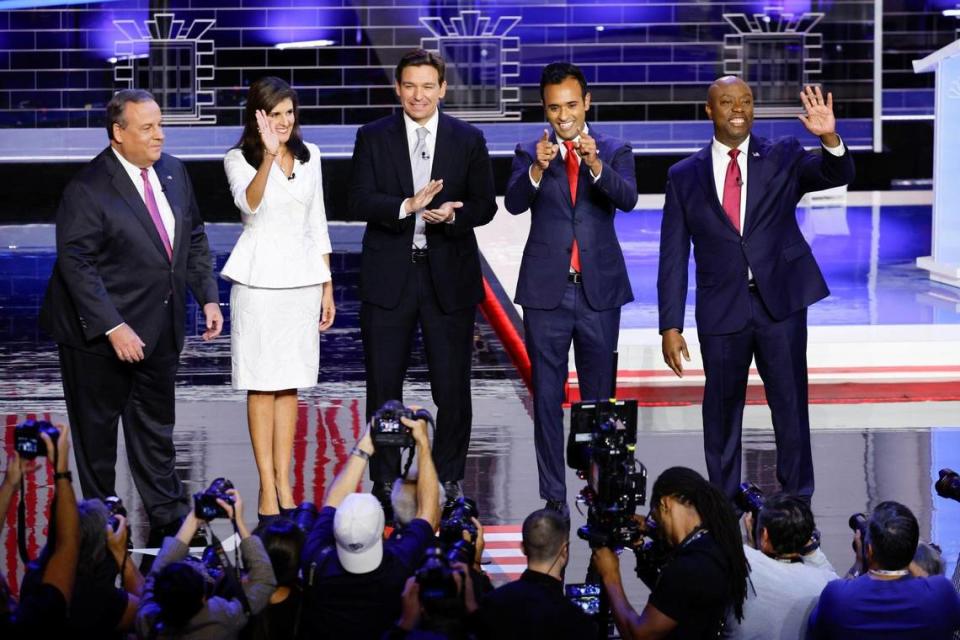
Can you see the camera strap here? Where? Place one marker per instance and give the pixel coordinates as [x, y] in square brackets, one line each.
[21, 524]
[231, 572]
[22, 515]
[419, 414]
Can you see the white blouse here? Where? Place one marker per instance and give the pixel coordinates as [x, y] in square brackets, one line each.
[285, 238]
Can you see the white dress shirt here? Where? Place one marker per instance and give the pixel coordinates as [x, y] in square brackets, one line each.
[285, 238]
[420, 239]
[721, 160]
[166, 213]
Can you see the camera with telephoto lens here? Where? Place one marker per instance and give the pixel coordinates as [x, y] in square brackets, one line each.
[948, 486]
[457, 517]
[205, 505]
[601, 446]
[749, 498]
[386, 429]
[27, 440]
[436, 577]
[115, 508]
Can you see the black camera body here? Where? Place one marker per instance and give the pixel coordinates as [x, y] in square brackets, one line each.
[435, 577]
[386, 429]
[27, 440]
[948, 486]
[116, 508]
[205, 505]
[456, 518]
[601, 447]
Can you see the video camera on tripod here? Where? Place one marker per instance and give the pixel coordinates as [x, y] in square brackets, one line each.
[601, 447]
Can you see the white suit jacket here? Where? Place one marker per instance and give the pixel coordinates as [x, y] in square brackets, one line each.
[285, 238]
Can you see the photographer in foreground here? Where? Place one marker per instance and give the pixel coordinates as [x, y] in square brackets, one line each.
[283, 539]
[438, 601]
[887, 602]
[535, 606]
[177, 600]
[98, 608]
[354, 578]
[786, 576]
[704, 574]
[43, 610]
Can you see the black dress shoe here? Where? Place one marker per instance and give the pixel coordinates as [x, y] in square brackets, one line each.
[381, 491]
[453, 490]
[560, 506]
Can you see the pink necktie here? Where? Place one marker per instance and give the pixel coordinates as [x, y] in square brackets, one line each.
[155, 212]
[731, 189]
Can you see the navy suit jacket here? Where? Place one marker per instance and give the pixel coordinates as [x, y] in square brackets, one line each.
[784, 269]
[382, 178]
[111, 266]
[556, 221]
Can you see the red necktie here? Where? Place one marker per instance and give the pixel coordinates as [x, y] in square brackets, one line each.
[731, 189]
[573, 175]
[154, 210]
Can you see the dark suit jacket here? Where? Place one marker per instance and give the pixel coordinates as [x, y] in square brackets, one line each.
[786, 273]
[111, 265]
[546, 257]
[382, 178]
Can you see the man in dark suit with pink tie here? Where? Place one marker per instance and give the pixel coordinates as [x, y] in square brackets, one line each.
[736, 201]
[573, 280]
[130, 240]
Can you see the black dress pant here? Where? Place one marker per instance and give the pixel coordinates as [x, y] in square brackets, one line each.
[99, 390]
[448, 341]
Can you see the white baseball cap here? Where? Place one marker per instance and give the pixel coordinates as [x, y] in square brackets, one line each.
[358, 531]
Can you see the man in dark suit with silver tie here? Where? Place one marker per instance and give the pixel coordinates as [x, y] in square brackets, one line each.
[422, 181]
[130, 241]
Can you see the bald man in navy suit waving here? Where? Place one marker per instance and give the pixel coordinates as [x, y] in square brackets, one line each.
[736, 200]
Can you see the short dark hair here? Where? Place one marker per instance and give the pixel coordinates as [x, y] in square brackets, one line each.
[557, 72]
[119, 102]
[893, 533]
[283, 541]
[788, 521]
[418, 58]
[544, 533]
[929, 557]
[178, 590]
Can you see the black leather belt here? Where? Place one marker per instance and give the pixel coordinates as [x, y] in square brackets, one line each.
[575, 277]
[418, 255]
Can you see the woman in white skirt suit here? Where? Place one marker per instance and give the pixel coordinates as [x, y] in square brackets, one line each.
[282, 294]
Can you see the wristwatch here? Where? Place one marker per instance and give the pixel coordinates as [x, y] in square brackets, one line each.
[360, 453]
[63, 475]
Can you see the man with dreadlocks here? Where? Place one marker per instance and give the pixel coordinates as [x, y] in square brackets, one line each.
[705, 571]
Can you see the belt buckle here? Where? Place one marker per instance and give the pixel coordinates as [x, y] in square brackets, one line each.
[575, 277]
[418, 255]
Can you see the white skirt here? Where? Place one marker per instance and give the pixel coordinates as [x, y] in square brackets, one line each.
[274, 337]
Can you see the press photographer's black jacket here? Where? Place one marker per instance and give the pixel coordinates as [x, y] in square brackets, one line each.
[532, 607]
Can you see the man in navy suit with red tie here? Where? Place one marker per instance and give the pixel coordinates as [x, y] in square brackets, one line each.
[130, 240]
[736, 201]
[573, 280]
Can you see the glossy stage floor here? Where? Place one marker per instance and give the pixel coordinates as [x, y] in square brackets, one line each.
[884, 356]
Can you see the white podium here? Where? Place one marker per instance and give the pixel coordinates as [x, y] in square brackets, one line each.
[944, 264]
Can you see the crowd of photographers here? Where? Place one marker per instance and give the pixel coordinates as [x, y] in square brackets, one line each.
[343, 572]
